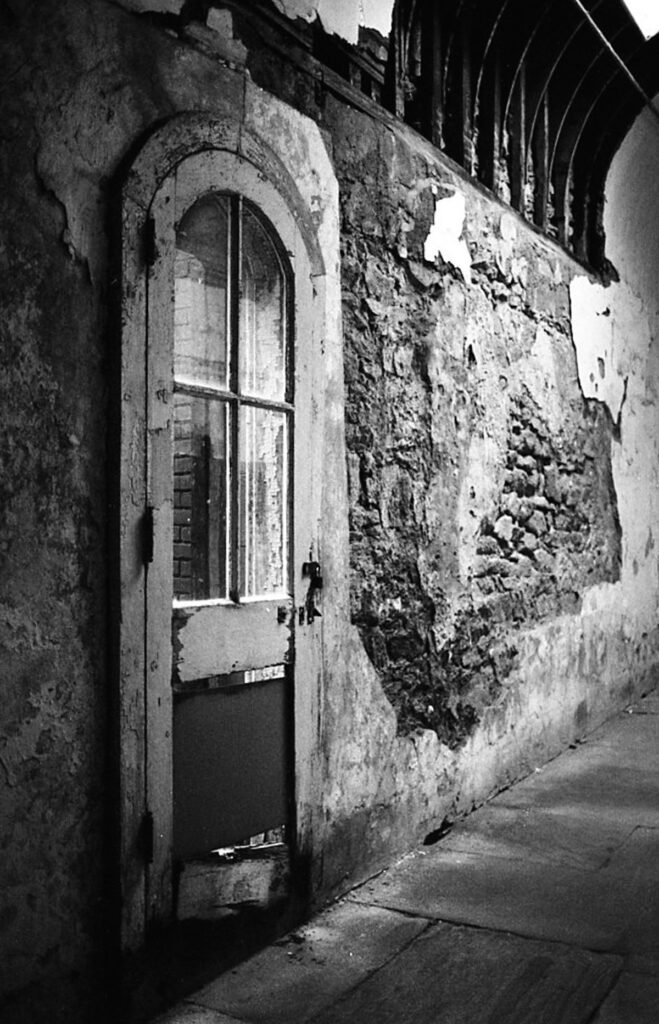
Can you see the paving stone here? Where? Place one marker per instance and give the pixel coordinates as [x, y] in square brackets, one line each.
[570, 854]
[633, 1000]
[637, 963]
[527, 897]
[627, 741]
[457, 975]
[547, 836]
[581, 785]
[304, 973]
[638, 856]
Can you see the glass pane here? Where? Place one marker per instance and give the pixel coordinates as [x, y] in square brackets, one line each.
[200, 294]
[262, 314]
[264, 497]
[201, 507]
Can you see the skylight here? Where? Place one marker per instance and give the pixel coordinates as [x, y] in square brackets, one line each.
[646, 15]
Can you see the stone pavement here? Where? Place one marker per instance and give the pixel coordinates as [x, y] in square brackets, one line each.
[540, 908]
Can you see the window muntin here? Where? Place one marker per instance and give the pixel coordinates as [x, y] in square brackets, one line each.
[232, 410]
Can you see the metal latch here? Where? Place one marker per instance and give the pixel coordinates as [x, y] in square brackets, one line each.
[312, 572]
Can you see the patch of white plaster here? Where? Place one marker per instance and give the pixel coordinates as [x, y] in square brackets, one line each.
[342, 17]
[445, 236]
[297, 8]
[599, 365]
[508, 227]
[613, 340]
[377, 14]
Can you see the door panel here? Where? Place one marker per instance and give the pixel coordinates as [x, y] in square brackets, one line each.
[216, 640]
[230, 754]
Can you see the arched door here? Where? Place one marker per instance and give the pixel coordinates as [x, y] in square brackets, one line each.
[228, 307]
[233, 416]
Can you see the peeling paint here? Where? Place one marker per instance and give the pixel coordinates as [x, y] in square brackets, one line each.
[445, 236]
[615, 332]
[601, 355]
[342, 17]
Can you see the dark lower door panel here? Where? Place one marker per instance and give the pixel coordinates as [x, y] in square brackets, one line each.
[230, 765]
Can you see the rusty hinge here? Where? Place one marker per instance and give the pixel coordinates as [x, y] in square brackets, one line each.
[148, 531]
[150, 242]
[145, 838]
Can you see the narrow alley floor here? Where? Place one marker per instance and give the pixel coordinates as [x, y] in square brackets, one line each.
[540, 908]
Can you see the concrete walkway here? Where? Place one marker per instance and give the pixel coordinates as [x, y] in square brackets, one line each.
[540, 908]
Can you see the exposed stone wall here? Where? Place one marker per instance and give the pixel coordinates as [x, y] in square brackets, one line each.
[445, 571]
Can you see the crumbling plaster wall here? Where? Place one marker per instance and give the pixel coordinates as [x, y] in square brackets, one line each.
[500, 421]
[487, 552]
[342, 17]
[502, 512]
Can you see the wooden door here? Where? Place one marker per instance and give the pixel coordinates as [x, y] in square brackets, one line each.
[233, 416]
[220, 469]
[196, 673]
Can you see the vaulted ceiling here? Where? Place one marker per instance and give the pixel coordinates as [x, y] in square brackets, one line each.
[532, 97]
[527, 96]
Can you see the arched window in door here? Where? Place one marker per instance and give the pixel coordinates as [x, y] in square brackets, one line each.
[232, 404]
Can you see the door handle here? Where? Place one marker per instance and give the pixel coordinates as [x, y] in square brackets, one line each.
[312, 571]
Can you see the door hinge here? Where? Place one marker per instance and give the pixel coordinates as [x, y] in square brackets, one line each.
[145, 839]
[148, 532]
[150, 242]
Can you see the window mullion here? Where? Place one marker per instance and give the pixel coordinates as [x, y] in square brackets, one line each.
[235, 262]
